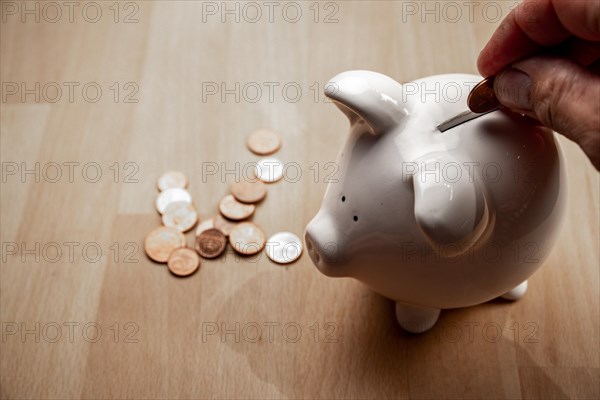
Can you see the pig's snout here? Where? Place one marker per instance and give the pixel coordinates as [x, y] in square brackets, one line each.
[324, 246]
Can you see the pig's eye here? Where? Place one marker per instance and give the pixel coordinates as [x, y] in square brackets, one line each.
[355, 218]
[343, 198]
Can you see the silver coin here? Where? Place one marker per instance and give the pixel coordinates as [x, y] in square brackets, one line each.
[269, 170]
[172, 179]
[171, 195]
[284, 247]
[180, 215]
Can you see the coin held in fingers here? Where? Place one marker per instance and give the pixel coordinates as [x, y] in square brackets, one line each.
[183, 261]
[180, 215]
[263, 142]
[249, 192]
[172, 179]
[211, 243]
[235, 210]
[482, 97]
[269, 170]
[171, 195]
[247, 238]
[284, 247]
[161, 241]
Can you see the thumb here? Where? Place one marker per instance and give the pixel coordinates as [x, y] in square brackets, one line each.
[560, 94]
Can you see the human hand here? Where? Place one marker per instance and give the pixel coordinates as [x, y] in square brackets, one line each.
[561, 87]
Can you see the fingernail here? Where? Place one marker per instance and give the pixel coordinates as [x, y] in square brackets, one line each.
[513, 88]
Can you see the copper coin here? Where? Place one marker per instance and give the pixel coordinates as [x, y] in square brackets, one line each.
[249, 192]
[183, 261]
[233, 209]
[161, 242]
[263, 142]
[223, 224]
[172, 179]
[180, 215]
[211, 243]
[284, 247]
[269, 170]
[482, 97]
[204, 226]
[171, 195]
[247, 238]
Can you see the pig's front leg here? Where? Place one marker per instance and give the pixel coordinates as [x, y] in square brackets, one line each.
[416, 319]
[516, 293]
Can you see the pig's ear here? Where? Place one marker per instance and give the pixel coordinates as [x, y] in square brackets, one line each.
[450, 207]
[368, 97]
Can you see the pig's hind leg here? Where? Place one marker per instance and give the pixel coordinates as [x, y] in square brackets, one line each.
[516, 293]
[416, 319]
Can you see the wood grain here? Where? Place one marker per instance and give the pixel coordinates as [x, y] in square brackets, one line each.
[321, 337]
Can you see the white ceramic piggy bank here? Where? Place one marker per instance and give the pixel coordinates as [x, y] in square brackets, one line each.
[436, 220]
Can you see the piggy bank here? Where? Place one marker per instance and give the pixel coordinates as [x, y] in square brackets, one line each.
[436, 220]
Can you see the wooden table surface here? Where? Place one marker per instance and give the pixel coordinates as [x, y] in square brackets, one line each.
[102, 98]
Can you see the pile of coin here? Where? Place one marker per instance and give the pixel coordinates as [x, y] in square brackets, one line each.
[167, 243]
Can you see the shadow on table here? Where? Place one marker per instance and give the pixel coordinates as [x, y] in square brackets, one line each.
[367, 354]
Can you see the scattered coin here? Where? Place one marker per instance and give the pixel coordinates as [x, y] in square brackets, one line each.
[284, 247]
[161, 242]
[183, 261]
[269, 170]
[211, 243]
[223, 224]
[172, 179]
[482, 97]
[205, 225]
[233, 209]
[247, 238]
[171, 195]
[249, 192]
[263, 142]
[180, 215]
[174, 202]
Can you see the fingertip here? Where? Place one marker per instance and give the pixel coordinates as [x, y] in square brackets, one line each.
[488, 62]
[484, 64]
[481, 63]
[508, 44]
